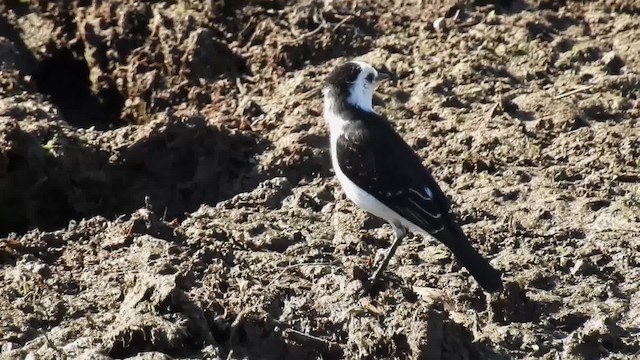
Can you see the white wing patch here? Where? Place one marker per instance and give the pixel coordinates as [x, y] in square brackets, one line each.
[428, 195]
[435, 216]
[428, 192]
[423, 196]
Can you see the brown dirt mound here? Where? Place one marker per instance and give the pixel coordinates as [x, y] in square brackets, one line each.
[166, 191]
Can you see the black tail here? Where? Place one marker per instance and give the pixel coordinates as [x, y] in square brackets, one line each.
[486, 275]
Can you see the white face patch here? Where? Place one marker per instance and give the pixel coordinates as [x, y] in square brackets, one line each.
[363, 87]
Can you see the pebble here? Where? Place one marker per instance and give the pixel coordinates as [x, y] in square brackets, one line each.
[440, 24]
[612, 63]
[9, 346]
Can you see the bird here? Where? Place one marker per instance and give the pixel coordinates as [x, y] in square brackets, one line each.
[382, 174]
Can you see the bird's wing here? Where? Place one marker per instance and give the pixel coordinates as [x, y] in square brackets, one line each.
[379, 161]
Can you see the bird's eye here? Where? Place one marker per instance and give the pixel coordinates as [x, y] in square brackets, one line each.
[370, 77]
[353, 70]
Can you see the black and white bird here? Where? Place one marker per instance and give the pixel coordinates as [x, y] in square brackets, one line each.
[382, 174]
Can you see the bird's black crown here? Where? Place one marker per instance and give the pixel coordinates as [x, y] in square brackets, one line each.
[340, 79]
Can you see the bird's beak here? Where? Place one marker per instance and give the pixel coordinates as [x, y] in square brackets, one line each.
[382, 76]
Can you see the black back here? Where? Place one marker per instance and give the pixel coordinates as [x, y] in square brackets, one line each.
[379, 161]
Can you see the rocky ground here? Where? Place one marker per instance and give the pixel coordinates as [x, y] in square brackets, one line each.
[166, 191]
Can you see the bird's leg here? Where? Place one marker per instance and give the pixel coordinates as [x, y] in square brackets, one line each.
[373, 279]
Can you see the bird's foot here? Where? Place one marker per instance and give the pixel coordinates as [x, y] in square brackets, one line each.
[372, 285]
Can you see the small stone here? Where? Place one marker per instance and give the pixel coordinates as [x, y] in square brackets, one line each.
[440, 24]
[327, 209]
[507, 104]
[545, 215]
[42, 270]
[250, 109]
[492, 18]
[452, 101]
[9, 346]
[598, 204]
[612, 63]
[622, 104]
[584, 268]
[562, 44]
[433, 116]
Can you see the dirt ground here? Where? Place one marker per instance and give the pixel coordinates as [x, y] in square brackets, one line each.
[166, 190]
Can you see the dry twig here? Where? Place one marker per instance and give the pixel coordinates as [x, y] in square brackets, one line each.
[572, 92]
[342, 22]
[305, 339]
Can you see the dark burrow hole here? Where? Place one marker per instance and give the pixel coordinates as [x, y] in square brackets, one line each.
[64, 77]
[180, 165]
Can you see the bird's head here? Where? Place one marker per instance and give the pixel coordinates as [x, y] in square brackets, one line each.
[354, 83]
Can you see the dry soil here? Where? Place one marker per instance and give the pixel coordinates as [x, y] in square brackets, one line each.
[166, 191]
